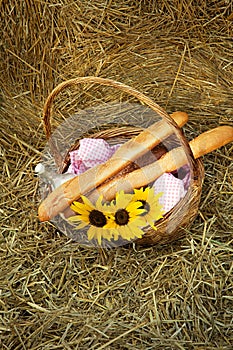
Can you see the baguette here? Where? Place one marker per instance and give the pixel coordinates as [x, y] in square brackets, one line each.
[171, 161]
[211, 140]
[201, 145]
[71, 190]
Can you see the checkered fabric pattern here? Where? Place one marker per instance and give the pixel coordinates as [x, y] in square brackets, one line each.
[172, 188]
[90, 153]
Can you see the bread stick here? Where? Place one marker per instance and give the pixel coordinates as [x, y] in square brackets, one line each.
[201, 145]
[171, 161]
[211, 140]
[71, 190]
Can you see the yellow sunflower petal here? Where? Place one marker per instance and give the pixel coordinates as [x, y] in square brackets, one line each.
[80, 208]
[74, 206]
[74, 218]
[138, 232]
[79, 224]
[111, 224]
[139, 221]
[87, 203]
[123, 199]
[140, 194]
[154, 227]
[82, 225]
[91, 233]
[107, 234]
[133, 209]
[115, 234]
[98, 236]
[99, 205]
[84, 216]
[125, 232]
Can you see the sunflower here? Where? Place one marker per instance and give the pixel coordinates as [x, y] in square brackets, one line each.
[149, 202]
[92, 215]
[124, 217]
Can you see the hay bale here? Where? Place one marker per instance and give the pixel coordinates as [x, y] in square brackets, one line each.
[55, 294]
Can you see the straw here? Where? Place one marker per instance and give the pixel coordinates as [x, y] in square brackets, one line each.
[56, 294]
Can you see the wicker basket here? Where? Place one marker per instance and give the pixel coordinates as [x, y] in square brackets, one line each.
[174, 224]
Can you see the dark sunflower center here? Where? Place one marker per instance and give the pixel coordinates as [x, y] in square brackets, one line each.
[97, 218]
[122, 217]
[145, 205]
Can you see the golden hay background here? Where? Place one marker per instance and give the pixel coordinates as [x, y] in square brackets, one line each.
[55, 294]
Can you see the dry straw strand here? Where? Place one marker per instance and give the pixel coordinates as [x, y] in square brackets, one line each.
[178, 296]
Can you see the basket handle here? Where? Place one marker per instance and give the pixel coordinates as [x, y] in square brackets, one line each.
[47, 111]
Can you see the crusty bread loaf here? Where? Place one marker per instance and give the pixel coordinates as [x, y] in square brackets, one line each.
[142, 176]
[211, 140]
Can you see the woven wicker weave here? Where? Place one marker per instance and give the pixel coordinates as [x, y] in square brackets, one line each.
[175, 223]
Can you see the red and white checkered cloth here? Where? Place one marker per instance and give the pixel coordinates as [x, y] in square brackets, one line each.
[92, 152]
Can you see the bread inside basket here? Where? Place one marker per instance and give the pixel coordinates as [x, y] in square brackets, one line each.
[117, 124]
